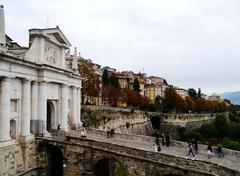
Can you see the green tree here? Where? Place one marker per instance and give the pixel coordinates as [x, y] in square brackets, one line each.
[157, 102]
[208, 131]
[192, 93]
[105, 77]
[221, 123]
[114, 82]
[199, 95]
[136, 86]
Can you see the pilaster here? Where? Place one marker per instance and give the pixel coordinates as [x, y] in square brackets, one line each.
[64, 107]
[34, 107]
[42, 108]
[5, 88]
[25, 118]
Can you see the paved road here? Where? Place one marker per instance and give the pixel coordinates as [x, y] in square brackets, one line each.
[227, 161]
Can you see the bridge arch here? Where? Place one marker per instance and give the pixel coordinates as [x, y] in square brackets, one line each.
[55, 160]
[109, 166]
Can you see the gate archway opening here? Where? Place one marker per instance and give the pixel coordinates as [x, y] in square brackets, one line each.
[101, 168]
[156, 122]
[109, 167]
[55, 160]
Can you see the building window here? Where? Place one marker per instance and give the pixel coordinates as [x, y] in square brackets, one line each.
[14, 106]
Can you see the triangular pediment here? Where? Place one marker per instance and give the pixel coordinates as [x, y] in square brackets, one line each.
[54, 34]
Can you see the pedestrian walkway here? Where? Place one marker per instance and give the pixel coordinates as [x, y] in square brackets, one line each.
[228, 161]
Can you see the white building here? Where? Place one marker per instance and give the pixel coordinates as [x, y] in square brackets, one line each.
[37, 91]
[182, 92]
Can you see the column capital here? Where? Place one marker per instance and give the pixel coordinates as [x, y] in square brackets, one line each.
[5, 78]
[64, 85]
[42, 83]
[34, 82]
[26, 81]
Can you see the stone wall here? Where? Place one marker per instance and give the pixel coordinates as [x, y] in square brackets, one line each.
[21, 158]
[100, 117]
[82, 155]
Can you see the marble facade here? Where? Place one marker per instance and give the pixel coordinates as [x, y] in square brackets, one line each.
[37, 90]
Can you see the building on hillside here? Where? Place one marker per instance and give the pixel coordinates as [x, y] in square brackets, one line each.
[157, 87]
[158, 80]
[149, 81]
[130, 76]
[37, 90]
[109, 69]
[215, 97]
[122, 80]
[182, 92]
[150, 91]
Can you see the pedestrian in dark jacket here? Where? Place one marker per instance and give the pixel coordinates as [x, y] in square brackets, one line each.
[168, 140]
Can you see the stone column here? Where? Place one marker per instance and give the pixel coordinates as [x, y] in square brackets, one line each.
[42, 108]
[64, 107]
[79, 107]
[34, 109]
[5, 88]
[74, 105]
[26, 108]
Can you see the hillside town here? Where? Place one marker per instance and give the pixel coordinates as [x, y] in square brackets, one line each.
[110, 87]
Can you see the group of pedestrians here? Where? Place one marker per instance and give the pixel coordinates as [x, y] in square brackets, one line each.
[220, 153]
[192, 147]
[164, 140]
[110, 131]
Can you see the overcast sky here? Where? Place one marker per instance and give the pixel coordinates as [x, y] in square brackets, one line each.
[191, 43]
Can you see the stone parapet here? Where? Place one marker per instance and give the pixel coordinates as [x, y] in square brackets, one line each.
[152, 140]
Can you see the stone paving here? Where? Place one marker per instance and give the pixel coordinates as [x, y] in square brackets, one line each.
[227, 161]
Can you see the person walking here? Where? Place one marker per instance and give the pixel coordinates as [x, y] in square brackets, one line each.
[58, 129]
[163, 139]
[196, 145]
[219, 151]
[168, 140]
[209, 151]
[108, 132]
[193, 144]
[112, 131]
[190, 148]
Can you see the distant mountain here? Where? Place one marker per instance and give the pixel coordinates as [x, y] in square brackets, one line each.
[234, 97]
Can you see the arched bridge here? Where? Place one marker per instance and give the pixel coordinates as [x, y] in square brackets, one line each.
[124, 155]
